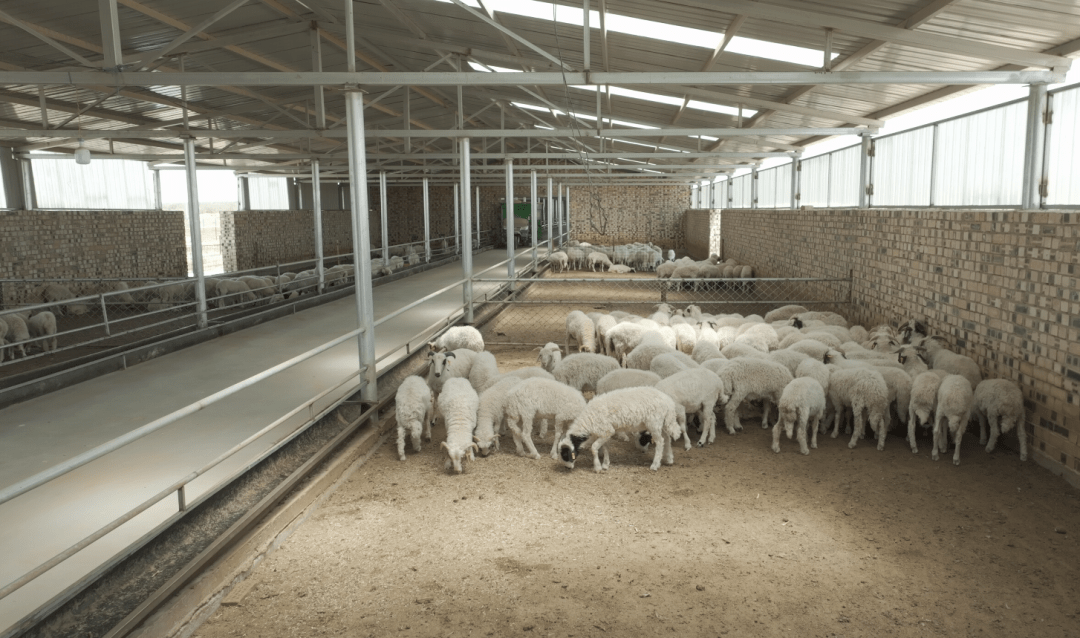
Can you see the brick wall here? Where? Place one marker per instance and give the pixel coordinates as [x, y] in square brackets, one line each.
[627, 214]
[256, 238]
[1001, 285]
[87, 244]
[701, 227]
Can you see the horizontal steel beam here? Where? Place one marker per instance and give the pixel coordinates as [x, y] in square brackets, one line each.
[542, 78]
[136, 132]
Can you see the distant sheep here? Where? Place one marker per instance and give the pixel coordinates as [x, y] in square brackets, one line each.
[459, 337]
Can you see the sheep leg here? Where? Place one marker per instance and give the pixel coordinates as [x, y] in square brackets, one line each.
[401, 442]
[658, 438]
[958, 434]
[708, 422]
[816, 426]
[776, 434]
[838, 410]
[429, 418]
[669, 453]
[526, 435]
[600, 442]
[936, 434]
[994, 432]
[558, 437]
[859, 427]
[911, 421]
[731, 415]
[766, 407]
[882, 432]
[512, 422]
[800, 434]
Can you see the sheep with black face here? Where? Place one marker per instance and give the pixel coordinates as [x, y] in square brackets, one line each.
[632, 410]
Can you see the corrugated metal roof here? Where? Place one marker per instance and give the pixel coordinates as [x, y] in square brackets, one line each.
[257, 37]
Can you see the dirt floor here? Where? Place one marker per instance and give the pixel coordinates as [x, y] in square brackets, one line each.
[733, 540]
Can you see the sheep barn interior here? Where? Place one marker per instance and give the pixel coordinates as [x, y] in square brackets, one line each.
[849, 225]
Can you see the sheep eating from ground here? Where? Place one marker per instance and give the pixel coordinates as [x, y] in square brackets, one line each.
[583, 371]
[534, 399]
[865, 392]
[628, 410]
[1000, 402]
[802, 402]
[624, 378]
[491, 415]
[581, 329]
[457, 407]
[550, 356]
[414, 410]
[695, 391]
[749, 379]
[43, 324]
[953, 411]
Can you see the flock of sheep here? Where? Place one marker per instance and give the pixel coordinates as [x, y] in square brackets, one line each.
[650, 374]
[630, 258]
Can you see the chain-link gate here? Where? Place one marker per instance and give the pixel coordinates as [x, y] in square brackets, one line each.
[535, 312]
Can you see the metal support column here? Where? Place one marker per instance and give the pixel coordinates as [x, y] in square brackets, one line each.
[730, 191]
[510, 270]
[466, 232]
[457, 218]
[550, 217]
[534, 210]
[567, 212]
[385, 228]
[478, 217]
[796, 175]
[196, 230]
[753, 187]
[864, 172]
[560, 215]
[1034, 141]
[358, 193]
[427, 223]
[157, 191]
[316, 209]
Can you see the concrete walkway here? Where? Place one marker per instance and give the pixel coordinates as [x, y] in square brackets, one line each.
[40, 433]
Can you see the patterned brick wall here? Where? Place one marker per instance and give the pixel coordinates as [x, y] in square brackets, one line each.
[252, 239]
[627, 214]
[1001, 285]
[87, 244]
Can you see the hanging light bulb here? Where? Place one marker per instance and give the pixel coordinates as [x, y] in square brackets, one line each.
[82, 154]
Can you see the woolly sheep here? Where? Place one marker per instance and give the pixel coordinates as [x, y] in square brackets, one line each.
[899, 384]
[816, 370]
[414, 410]
[232, 292]
[550, 356]
[913, 360]
[43, 324]
[742, 351]
[443, 366]
[598, 259]
[603, 324]
[534, 399]
[951, 362]
[748, 379]
[695, 391]
[457, 407]
[665, 270]
[483, 369]
[491, 415]
[583, 371]
[558, 260]
[704, 351]
[622, 378]
[620, 269]
[628, 410]
[576, 257]
[791, 359]
[802, 401]
[581, 329]
[858, 333]
[783, 313]
[669, 363]
[17, 333]
[952, 413]
[921, 404]
[457, 337]
[685, 337]
[623, 338]
[830, 318]
[1000, 402]
[865, 392]
[810, 347]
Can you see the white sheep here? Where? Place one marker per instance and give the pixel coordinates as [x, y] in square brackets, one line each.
[414, 409]
[623, 338]
[913, 359]
[576, 257]
[545, 399]
[784, 313]
[705, 350]
[457, 337]
[484, 368]
[603, 324]
[457, 407]
[17, 333]
[529, 372]
[761, 336]
[620, 269]
[921, 404]
[550, 356]
[491, 415]
[583, 371]
[558, 260]
[695, 391]
[230, 292]
[865, 392]
[599, 259]
[628, 410]
[802, 402]
[443, 366]
[791, 359]
[955, 399]
[622, 378]
[1000, 402]
[582, 330]
[743, 351]
[685, 337]
[951, 362]
[748, 379]
[670, 363]
[43, 324]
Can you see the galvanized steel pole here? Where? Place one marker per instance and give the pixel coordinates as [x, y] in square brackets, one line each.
[478, 217]
[864, 172]
[466, 233]
[427, 223]
[361, 238]
[385, 230]
[1034, 141]
[796, 173]
[533, 212]
[510, 222]
[196, 231]
[457, 217]
[753, 187]
[316, 208]
[550, 217]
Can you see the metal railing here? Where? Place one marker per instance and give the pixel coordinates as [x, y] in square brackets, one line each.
[178, 487]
